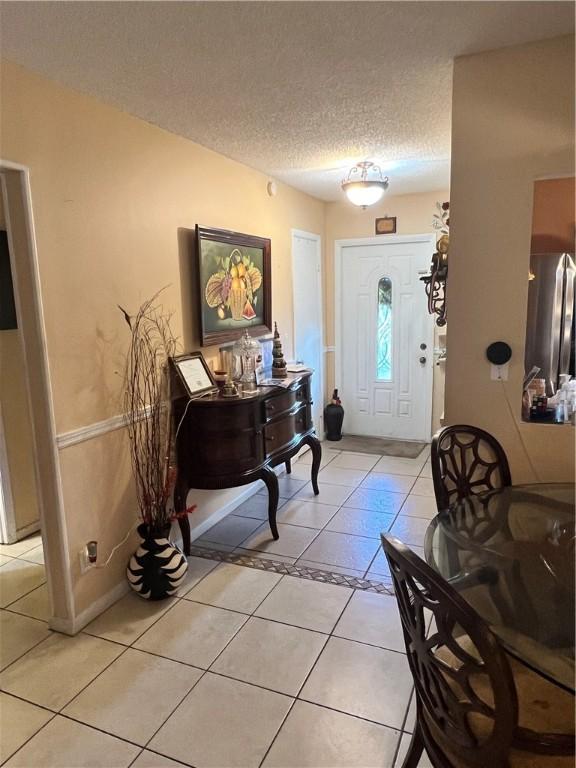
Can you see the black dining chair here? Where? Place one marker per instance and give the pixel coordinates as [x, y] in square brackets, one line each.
[467, 695]
[466, 461]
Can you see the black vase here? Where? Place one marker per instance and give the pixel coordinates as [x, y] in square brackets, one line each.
[157, 568]
[333, 418]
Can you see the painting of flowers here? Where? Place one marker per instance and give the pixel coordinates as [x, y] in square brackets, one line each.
[234, 284]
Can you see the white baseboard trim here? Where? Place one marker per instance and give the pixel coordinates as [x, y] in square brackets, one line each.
[244, 493]
[73, 626]
[80, 435]
[22, 533]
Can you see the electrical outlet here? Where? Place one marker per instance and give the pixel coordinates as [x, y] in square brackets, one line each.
[85, 564]
[499, 372]
[88, 556]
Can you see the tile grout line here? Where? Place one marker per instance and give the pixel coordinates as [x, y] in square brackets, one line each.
[249, 616]
[8, 605]
[61, 712]
[52, 633]
[342, 506]
[126, 648]
[280, 693]
[296, 698]
[54, 715]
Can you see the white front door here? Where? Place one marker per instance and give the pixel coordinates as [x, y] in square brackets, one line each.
[385, 336]
[308, 336]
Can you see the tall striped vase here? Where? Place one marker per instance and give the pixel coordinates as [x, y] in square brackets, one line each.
[157, 568]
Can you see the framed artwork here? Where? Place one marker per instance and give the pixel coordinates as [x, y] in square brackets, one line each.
[386, 225]
[235, 285]
[194, 374]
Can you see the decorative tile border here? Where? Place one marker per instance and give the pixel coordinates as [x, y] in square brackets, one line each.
[300, 571]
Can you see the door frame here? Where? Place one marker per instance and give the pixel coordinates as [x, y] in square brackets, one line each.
[321, 373]
[17, 198]
[7, 519]
[339, 246]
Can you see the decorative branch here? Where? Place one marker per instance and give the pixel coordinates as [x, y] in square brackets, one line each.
[147, 388]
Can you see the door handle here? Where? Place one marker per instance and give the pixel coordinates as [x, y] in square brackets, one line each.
[422, 360]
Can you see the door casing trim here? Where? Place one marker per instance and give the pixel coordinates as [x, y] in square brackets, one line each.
[322, 372]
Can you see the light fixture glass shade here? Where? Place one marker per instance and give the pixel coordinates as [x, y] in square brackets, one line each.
[365, 184]
[364, 193]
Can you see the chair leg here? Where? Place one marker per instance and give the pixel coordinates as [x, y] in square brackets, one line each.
[414, 750]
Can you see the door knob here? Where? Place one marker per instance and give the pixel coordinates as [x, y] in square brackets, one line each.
[422, 360]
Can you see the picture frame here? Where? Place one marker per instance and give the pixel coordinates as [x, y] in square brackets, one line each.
[386, 225]
[194, 374]
[234, 285]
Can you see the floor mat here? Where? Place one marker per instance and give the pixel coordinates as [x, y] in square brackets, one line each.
[405, 449]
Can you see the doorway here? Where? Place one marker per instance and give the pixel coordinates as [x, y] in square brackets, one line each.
[19, 514]
[19, 225]
[384, 336]
[308, 318]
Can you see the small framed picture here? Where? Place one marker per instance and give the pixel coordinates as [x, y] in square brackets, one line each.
[386, 225]
[195, 374]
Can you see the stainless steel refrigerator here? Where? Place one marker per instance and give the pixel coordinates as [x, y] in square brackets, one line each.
[551, 311]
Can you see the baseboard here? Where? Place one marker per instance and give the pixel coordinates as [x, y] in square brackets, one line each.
[73, 626]
[243, 495]
[28, 530]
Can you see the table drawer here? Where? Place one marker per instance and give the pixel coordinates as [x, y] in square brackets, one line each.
[278, 404]
[282, 432]
[279, 434]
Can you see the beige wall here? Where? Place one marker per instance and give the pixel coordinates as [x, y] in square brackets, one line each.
[115, 202]
[513, 122]
[414, 215]
[17, 426]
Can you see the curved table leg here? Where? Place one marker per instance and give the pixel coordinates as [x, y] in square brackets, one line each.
[180, 493]
[269, 477]
[316, 449]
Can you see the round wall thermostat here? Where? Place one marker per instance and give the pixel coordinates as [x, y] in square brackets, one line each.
[498, 352]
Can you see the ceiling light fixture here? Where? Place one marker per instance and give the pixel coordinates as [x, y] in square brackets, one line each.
[365, 184]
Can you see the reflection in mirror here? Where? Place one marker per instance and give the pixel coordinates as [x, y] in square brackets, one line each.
[550, 387]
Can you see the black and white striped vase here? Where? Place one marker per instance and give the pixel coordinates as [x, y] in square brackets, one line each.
[157, 568]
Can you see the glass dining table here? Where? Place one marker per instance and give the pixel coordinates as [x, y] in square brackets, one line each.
[510, 553]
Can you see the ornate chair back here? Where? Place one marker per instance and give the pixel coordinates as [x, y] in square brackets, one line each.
[467, 707]
[466, 461]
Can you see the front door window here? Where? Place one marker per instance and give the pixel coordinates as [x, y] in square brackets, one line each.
[384, 330]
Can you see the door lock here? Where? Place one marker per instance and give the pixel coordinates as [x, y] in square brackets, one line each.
[422, 360]
[423, 346]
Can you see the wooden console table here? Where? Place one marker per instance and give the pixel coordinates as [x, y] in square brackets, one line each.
[224, 443]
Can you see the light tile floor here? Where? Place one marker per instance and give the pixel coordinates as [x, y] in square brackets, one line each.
[244, 667]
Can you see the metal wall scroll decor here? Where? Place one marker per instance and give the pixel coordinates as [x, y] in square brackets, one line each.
[435, 282]
[435, 286]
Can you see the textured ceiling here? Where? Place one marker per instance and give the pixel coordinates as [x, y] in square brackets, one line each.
[298, 90]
